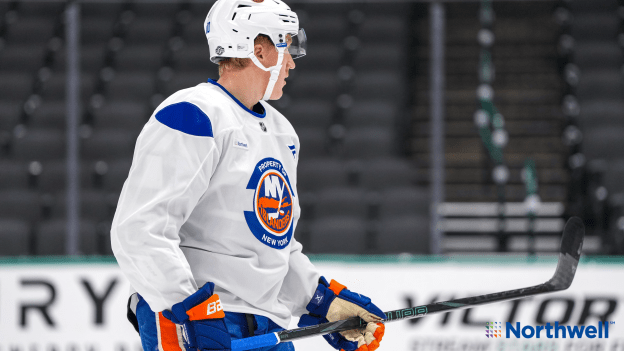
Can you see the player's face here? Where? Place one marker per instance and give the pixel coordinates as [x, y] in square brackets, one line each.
[288, 64]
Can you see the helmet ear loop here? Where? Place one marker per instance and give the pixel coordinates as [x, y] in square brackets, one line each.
[275, 71]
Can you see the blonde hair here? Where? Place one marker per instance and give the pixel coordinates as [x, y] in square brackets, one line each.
[237, 64]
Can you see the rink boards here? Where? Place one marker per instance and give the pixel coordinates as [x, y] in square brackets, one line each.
[60, 304]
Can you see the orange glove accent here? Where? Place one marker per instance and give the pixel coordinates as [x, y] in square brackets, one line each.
[379, 332]
[378, 335]
[208, 309]
[336, 287]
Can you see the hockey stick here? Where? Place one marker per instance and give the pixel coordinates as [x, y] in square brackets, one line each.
[569, 254]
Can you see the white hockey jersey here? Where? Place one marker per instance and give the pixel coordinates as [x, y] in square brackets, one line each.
[211, 197]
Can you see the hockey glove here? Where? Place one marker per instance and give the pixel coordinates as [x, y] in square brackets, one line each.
[332, 302]
[202, 319]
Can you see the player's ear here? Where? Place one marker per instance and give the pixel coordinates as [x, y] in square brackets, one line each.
[259, 51]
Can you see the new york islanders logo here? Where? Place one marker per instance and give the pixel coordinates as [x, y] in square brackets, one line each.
[271, 220]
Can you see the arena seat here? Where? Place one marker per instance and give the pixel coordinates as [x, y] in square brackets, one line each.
[13, 175]
[601, 112]
[600, 84]
[117, 174]
[614, 175]
[328, 28]
[313, 142]
[32, 30]
[384, 173]
[20, 204]
[315, 174]
[15, 86]
[149, 31]
[130, 115]
[366, 113]
[50, 115]
[107, 144]
[156, 11]
[383, 28]
[186, 79]
[310, 113]
[91, 59]
[193, 57]
[93, 206]
[592, 26]
[139, 58]
[20, 57]
[406, 234]
[322, 85]
[40, 145]
[193, 30]
[51, 238]
[379, 56]
[321, 57]
[403, 202]
[134, 85]
[345, 235]
[369, 143]
[11, 113]
[379, 85]
[15, 237]
[96, 30]
[594, 6]
[599, 54]
[39, 9]
[603, 142]
[332, 202]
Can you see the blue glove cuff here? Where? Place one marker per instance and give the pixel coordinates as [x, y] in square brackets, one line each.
[202, 334]
[178, 311]
[322, 298]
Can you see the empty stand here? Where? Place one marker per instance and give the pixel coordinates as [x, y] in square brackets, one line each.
[338, 235]
[51, 238]
[315, 174]
[403, 202]
[20, 204]
[15, 237]
[40, 144]
[347, 101]
[403, 234]
[527, 90]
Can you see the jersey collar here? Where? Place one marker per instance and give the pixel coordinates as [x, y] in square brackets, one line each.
[258, 105]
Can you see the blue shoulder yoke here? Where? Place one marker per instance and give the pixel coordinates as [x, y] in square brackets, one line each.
[187, 118]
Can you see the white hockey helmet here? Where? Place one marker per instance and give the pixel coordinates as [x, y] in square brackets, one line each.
[232, 26]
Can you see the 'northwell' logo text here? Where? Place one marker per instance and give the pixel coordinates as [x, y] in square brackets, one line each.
[558, 331]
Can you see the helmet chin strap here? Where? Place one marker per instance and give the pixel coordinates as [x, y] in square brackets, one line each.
[275, 71]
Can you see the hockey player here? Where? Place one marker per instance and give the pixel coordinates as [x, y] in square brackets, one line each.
[204, 225]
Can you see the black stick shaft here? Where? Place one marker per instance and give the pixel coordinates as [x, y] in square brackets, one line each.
[416, 312]
[570, 252]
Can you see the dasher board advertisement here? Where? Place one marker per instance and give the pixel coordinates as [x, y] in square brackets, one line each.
[63, 305]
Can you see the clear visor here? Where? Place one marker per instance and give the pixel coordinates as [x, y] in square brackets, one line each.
[298, 44]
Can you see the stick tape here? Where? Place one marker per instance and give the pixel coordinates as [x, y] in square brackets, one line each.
[255, 342]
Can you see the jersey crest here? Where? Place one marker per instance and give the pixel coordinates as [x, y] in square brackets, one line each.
[271, 218]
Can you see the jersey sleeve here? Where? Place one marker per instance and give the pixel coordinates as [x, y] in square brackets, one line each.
[174, 159]
[300, 283]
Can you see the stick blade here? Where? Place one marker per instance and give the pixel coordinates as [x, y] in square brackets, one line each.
[569, 255]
